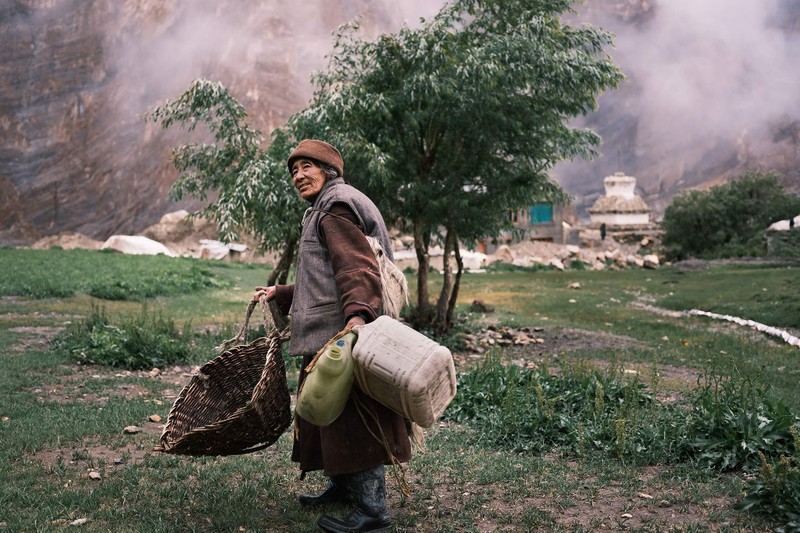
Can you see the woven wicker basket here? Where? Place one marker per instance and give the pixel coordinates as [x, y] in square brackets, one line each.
[237, 403]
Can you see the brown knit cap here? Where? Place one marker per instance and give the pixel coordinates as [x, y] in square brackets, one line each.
[318, 151]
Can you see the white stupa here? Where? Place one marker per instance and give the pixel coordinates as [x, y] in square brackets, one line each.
[620, 209]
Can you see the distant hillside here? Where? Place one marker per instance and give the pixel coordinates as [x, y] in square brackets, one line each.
[708, 96]
[77, 75]
[711, 93]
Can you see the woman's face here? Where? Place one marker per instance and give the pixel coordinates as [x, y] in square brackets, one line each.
[308, 178]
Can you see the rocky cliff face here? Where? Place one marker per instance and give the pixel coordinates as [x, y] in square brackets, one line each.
[76, 76]
[710, 95]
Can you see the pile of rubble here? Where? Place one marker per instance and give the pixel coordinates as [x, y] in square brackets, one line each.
[608, 255]
[175, 235]
[179, 235]
[501, 336]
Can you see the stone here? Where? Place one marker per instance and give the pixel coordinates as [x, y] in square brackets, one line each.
[504, 254]
[650, 261]
[136, 245]
[211, 249]
[473, 260]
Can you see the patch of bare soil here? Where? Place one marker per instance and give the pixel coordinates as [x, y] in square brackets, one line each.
[74, 383]
[611, 509]
[564, 340]
[36, 337]
[553, 342]
[655, 506]
[94, 460]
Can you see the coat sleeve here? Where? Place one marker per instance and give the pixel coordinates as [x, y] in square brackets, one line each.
[355, 268]
[283, 297]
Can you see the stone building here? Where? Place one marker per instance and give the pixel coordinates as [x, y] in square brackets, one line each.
[620, 212]
[545, 222]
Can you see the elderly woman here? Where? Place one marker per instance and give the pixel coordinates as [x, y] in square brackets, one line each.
[338, 285]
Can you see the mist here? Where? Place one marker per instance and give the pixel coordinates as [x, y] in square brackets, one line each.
[709, 68]
[707, 83]
[697, 70]
[267, 51]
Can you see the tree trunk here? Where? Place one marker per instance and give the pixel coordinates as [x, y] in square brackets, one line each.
[281, 272]
[447, 284]
[456, 284]
[421, 241]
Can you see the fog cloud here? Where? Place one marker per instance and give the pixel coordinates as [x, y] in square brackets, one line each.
[709, 68]
[267, 46]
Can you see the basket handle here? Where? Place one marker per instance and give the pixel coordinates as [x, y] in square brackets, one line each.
[275, 319]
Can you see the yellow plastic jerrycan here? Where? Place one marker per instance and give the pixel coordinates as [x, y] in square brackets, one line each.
[327, 385]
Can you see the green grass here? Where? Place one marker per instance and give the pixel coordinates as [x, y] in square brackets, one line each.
[612, 302]
[58, 273]
[54, 429]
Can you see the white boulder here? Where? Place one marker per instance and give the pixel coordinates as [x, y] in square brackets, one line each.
[650, 261]
[504, 254]
[136, 245]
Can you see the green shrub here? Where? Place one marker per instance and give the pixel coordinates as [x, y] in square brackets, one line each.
[725, 424]
[577, 264]
[581, 407]
[732, 423]
[728, 220]
[500, 266]
[135, 343]
[775, 491]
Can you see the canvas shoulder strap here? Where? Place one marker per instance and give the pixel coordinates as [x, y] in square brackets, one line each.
[394, 286]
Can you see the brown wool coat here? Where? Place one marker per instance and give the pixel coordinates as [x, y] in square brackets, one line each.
[352, 443]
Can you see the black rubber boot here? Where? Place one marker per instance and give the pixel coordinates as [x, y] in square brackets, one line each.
[370, 514]
[336, 492]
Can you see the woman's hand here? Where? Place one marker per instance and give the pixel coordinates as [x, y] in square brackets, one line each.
[267, 292]
[355, 321]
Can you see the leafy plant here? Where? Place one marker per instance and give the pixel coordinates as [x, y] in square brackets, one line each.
[251, 184]
[141, 342]
[728, 220]
[580, 408]
[775, 491]
[733, 422]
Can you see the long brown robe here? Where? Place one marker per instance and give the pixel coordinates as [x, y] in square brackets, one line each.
[354, 442]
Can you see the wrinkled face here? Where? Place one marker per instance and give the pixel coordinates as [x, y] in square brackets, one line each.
[308, 178]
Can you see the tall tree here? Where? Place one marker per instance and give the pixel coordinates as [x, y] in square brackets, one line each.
[448, 127]
[451, 126]
[250, 185]
[728, 220]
